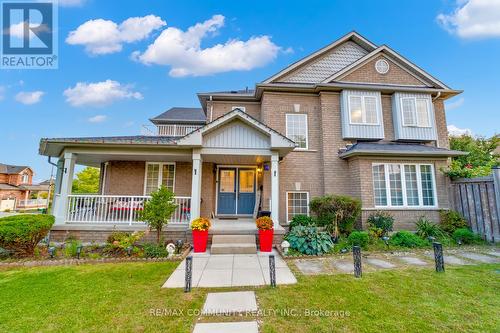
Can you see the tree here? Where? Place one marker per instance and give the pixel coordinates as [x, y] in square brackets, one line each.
[478, 162]
[158, 210]
[87, 181]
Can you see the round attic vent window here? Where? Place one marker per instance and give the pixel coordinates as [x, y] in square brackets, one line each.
[382, 66]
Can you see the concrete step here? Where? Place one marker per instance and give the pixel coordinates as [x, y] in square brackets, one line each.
[234, 248]
[232, 239]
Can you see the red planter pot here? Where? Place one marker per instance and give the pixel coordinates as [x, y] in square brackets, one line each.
[266, 240]
[200, 239]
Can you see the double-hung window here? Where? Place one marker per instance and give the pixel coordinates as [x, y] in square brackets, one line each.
[415, 112]
[363, 110]
[297, 204]
[296, 129]
[404, 185]
[158, 174]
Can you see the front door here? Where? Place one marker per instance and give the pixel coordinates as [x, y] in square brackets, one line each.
[236, 191]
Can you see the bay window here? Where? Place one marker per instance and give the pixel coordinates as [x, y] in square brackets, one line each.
[158, 174]
[363, 110]
[415, 112]
[404, 185]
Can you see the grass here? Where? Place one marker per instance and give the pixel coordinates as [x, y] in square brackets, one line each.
[119, 298]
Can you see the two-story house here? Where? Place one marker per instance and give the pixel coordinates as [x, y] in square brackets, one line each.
[352, 118]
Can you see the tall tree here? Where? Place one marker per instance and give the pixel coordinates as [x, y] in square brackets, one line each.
[87, 181]
[480, 159]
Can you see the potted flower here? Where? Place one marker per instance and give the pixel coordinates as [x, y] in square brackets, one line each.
[266, 233]
[200, 228]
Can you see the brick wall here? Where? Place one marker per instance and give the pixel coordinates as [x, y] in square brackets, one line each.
[220, 108]
[125, 178]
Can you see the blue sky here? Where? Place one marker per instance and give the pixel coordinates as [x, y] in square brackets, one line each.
[113, 76]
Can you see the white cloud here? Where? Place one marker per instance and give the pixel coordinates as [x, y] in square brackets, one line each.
[99, 93]
[456, 131]
[183, 52]
[97, 119]
[455, 104]
[473, 19]
[105, 36]
[29, 97]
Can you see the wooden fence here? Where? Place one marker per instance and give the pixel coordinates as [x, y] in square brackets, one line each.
[478, 200]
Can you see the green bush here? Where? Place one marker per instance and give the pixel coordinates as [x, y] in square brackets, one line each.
[407, 239]
[359, 238]
[154, 251]
[336, 212]
[301, 220]
[451, 221]
[22, 233]
[465, 236]
[380, 223]
[308, 240]
[426, 228]
[70, 249]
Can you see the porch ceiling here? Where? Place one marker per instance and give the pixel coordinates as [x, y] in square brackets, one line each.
[236, 159]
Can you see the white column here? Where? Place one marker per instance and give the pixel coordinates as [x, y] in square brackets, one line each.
[275, 196]
[66, 184]
[196, 185]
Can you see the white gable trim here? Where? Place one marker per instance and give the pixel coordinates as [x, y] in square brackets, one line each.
[354, 36]
[384, 48]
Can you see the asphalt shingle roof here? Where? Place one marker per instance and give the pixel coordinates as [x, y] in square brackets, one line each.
[180, 115]
[136, 139]
[11, 169]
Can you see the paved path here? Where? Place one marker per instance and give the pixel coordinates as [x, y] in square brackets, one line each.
[231, 270]
[343, 264]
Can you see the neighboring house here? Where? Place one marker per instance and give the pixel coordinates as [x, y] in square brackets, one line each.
[17, 189]
[352, 118]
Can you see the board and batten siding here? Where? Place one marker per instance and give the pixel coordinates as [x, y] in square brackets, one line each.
[236, 134]
[412, 133]
[360, 131]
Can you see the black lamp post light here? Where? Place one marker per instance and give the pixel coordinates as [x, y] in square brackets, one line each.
[79, 249]
[386, 240]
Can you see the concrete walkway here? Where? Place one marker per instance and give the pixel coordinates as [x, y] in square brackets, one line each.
[231, 270]
[343, 264]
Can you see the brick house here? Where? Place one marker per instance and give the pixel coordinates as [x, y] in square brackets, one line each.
[352, 118]
[17, 188]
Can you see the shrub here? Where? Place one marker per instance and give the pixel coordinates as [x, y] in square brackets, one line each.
[359, 238]
[22, 233]
[116, 236]
[426, 228]
[380, 223]
[158, 210]
[465, 236]
[407, 239]
[200, 224]
[123, 240]
[154, 251]
[336, 212]
[70, 249]
[301, 220]
[308, 240]
[264, 223]
[451, 221]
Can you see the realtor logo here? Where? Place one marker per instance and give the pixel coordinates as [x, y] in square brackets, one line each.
[29, 35]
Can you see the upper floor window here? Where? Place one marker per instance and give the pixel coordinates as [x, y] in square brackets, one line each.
[363, 110]
[404, 185]
[158, 174]
[296, 129]
[415, 112]
[25, 178]
[242, 108]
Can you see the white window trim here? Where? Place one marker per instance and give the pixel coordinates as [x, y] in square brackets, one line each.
[363, 112]
[308, 202]
[160, 174]
[429, 114]
[242, 108]
[403, 186]
[307, 128]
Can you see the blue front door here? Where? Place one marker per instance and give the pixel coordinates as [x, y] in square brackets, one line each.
[236, 191]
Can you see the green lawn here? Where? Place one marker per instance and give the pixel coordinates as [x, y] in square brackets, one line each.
[119, 297]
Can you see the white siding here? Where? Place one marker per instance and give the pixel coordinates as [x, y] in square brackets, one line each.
[361, 131]
[236, 134]
[412, 133]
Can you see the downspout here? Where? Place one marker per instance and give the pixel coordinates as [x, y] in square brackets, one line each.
[52, 163]
[211, 108]
[437, 96]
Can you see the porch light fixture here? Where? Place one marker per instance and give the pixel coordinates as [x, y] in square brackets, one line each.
[52, 251]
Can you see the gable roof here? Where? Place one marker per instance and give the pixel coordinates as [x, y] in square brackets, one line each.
[396, 58]
[180, 115]
[343, 51]
[12, 169]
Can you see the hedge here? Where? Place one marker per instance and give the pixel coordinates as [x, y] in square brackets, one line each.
[22, 233]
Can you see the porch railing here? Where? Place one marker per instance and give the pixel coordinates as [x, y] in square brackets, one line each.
[176, 130]
[32, 203]
[118, 209]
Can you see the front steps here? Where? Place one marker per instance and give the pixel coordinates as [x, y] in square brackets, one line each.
[233, 244]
